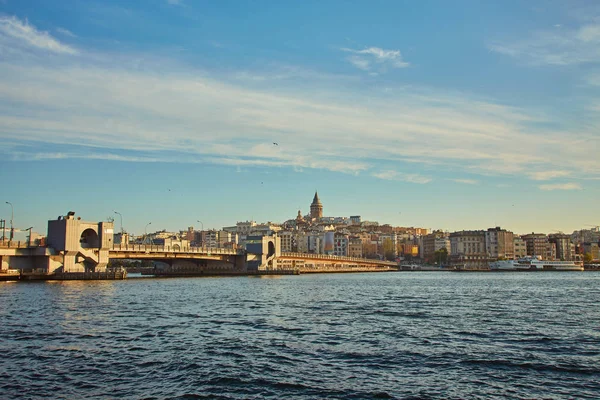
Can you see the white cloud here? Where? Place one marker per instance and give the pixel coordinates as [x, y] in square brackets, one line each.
[371, 57]
[561, 186]
[416, 178]
[547, 175]
[16, 33]
[65, 32]
[389, 175]
[360, 63]
[593, 79]
[589, 33]
[555, 47]
[392, 175]
[466, 181]
[167, 112]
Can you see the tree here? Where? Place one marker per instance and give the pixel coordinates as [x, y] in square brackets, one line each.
[587, 258]
[441, 256]
[388, 250]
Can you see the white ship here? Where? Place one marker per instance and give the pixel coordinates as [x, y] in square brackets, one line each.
[535, 264]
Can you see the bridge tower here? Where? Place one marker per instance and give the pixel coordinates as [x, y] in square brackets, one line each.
[81, 246]
[262, 252]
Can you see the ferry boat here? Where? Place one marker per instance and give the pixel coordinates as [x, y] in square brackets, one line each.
[535, 264]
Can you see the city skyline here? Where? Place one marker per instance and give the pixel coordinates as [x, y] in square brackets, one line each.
[447, 116]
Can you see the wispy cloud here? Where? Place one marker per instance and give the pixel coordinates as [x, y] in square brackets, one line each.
[14, 32]
[175, 2]
[563, 46]
[466, 181]
[593, 79]
[375, 57]
[183, 115]
[392, 175]
[561, 186]
[547, 175]
[65, 32]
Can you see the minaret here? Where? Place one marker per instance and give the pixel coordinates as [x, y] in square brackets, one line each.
[316, 208]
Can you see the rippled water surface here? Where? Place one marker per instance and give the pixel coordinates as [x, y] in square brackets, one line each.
[382, 335]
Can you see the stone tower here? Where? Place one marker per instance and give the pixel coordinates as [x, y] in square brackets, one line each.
[316, 208]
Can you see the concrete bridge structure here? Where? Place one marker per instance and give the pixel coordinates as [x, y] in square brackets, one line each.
[74, 246]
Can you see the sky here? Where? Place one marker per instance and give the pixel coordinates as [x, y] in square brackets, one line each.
[436, 114]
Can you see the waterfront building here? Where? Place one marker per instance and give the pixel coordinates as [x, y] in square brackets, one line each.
[433, 242]
[520, 247]
[550, 251]
[340, 245]
[316, 208]
[499, 244]
[586, 236]
[302, 242]
[563, 246]
[287, 239]
[369, 245]
[410, 249]
[355, 247]
[315, 244]
[537, 244]
[468, 248]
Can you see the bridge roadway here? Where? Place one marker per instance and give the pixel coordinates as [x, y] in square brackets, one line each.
[315, 263]
[286, 260]
[142, 251]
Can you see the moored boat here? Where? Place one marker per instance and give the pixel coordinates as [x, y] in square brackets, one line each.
[535, 264]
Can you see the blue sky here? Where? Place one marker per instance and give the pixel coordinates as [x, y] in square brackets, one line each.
[451, 115]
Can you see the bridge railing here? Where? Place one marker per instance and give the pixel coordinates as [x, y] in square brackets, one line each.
[337, 258]
[16, 244]
[175, 249]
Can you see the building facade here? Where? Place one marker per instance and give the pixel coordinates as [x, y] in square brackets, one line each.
[340, 245]
[468, 248]
[499, 244]
[355, 247]
[563, 246]
[433, 242]
[537, 244]
[520, 247]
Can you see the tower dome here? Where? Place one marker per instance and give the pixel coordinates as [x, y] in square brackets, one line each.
[316, 208]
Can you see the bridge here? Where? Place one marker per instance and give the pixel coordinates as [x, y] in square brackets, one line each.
[315, 263]
[76, 246]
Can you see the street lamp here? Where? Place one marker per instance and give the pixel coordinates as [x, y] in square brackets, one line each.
[12, 214]
[121, 217]
[29, 237]
[201, 232]
[146, 231]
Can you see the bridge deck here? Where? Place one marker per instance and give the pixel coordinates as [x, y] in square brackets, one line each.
[154, 249]
[329, 258]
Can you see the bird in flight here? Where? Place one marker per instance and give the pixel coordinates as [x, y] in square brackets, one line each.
[276, 144]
